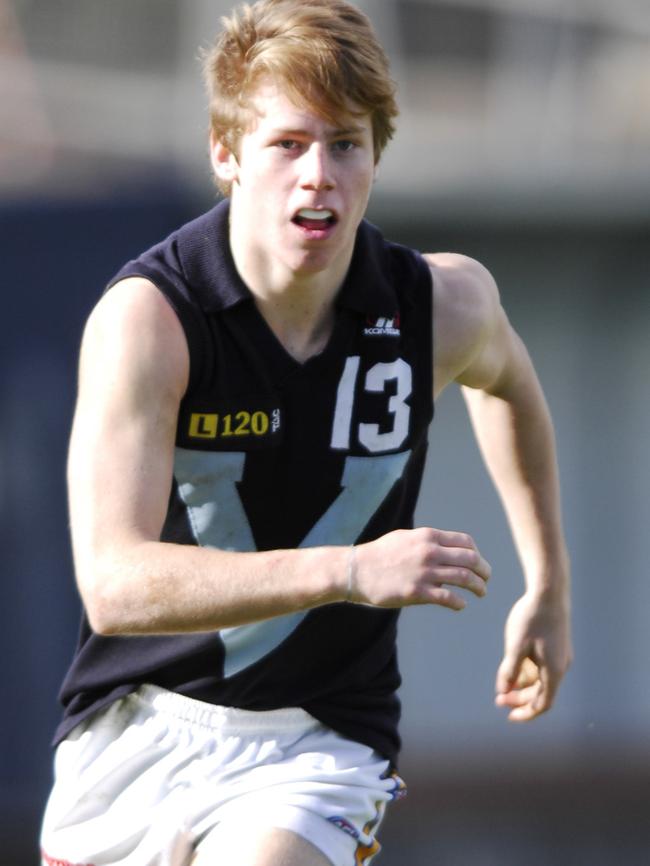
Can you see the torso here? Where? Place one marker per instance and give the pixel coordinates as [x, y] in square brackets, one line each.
[278, 452]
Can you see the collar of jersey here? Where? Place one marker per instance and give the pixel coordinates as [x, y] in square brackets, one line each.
[207, 261]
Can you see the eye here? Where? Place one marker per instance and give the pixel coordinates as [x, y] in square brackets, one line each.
[344, 145]
[287, 144]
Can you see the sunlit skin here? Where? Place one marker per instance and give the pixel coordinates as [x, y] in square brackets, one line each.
[293, 165]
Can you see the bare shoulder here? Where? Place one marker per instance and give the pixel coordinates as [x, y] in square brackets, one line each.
[133, 305]
[464, 291]
[467, 312]
[133, 330]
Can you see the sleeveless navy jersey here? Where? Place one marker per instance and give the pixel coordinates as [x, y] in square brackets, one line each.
[272, 453]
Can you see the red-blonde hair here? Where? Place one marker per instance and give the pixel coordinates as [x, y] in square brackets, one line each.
[323, 53]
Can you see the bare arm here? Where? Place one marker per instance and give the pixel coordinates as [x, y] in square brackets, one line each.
[514, 431]
[133, 373]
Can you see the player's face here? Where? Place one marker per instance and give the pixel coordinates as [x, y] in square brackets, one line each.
[301, 184]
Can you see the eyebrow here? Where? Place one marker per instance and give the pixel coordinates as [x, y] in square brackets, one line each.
[350, 130]
[336, 133]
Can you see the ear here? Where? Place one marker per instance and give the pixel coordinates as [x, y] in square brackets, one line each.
[224, 162]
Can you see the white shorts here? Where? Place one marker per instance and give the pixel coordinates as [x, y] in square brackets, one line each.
[145, 781]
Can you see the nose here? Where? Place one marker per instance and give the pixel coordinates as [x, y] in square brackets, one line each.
[316, 168]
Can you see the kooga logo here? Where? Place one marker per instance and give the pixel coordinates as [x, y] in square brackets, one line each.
[382, 327]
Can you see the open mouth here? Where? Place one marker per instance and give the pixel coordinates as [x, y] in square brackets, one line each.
[314, 220]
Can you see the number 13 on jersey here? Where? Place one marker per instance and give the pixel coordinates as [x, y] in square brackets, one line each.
[375, 381]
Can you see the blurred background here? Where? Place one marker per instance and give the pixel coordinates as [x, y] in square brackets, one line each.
[524, 141]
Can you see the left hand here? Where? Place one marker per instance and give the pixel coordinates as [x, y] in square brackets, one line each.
[537, 654]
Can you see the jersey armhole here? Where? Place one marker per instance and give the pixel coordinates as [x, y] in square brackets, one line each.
[187, 315]
[425, 304]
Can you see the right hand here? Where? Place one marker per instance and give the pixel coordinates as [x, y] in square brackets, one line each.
[416, 566]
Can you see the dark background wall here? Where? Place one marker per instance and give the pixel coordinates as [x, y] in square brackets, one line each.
[569, 789]
[56, 259]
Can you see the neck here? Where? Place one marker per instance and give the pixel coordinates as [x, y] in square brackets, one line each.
[298, 305]
[303, 328]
